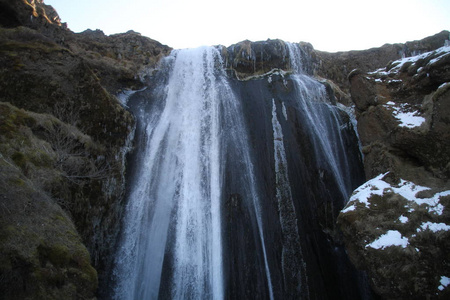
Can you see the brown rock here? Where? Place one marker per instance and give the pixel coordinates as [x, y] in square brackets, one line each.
[403, 124]
[362, 91]
[63, 141]
[399, 236]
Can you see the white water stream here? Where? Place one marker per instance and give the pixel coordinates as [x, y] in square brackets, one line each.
[172, 242]
[174, 207]
[323, 122]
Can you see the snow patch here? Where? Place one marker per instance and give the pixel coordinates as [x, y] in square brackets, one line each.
[349, 208]
[441, 52]
[445, 281]
[397, 65]
[407, 118]
[374, 186]
[403, 219]
[390, 238]
[406, 189]
[435, 227]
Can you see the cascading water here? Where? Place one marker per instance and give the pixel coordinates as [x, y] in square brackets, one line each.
[323, 122]
[236, 185]
[173, 223]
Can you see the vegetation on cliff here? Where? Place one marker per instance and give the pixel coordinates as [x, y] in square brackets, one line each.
[64, 136]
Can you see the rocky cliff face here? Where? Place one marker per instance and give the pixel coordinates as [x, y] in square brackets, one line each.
[396, 226]
[64, 136]
[335, 67]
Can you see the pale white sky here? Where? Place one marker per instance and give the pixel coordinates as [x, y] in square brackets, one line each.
[328, 25]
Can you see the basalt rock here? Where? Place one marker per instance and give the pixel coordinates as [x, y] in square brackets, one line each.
[64, 136]
[248, 59]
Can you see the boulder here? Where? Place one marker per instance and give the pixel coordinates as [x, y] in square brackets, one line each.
[399, 232]
[247, 59]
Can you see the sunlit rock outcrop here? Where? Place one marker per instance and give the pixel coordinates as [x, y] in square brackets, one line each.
[31, 13]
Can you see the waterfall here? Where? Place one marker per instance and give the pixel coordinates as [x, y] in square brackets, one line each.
[234, 185]
[323, 122]
[173, 226]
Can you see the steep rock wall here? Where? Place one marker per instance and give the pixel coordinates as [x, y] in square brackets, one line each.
[337, 66]
[64, 137]
[387, 102]
[396, 226]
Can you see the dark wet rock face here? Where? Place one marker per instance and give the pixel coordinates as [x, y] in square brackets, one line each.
[304, 247]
